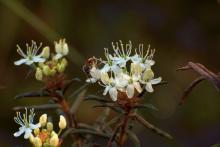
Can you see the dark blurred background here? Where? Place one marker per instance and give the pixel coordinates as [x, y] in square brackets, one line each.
[180, 30]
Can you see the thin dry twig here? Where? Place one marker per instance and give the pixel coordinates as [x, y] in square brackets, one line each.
[205, 74]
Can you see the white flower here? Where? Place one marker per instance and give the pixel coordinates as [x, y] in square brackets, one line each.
[95, 75]
[133, 84]
[61, 49]
[26, 123]
[145, 61]
[112, 85]
[31, 55]
[148, 80]
[121, 53]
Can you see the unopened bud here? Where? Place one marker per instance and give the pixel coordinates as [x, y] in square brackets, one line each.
[62, 122]
[43, 120]
[39, 74]
[36, 131]
[45, 52]
[148, 74]
[37, 142]
[31, 139]
[65, 48]
[46, 70]
[49, 126]
[54, 140]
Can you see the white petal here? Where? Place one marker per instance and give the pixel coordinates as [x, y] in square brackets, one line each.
[116, 69]
[91, 80]
[21, 131]
[58, 56]
[156, 81]
[106, 68]
[113, 93]
[33, 126]
[106, 90]
[137, 86]
[38, 59]
[95, 73]
[21, 61]
[105, 78]
[149, 87]
[130, 90]
[27, 133]
[29, 62]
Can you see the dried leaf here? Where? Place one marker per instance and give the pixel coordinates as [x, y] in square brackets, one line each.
[204, 72]
[38, 107]
[148, 106]
[134, 138]
[97, 98]
[78, 101]
[35, 94]
[152, 127]
[188, 90]
[76, 92]
[70, 82]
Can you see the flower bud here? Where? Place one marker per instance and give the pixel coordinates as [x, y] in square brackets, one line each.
[60, 68]
[43, 120]
[62, 122]
[31, 139]
[54, 140]
[39, 74]
[36, 131]
[37, 142]
[46, 70]
[49, 126]
[65, 50]
[58, 47]
[64, 62]
[148, 74]
[53, 133]
[45, 52]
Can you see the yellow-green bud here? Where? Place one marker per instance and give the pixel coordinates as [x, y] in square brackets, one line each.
[54, 140]
[43, 120]
[53, 71]
[39, 74]
[148, 74]
[36, 131]
[53, 133]
[62, 122]
[45, 52]
[37, 142]
[136, 68]
[31, 139]
[49, 126]
[46, 144]
[46, 70]
[60, 68]
[64, 62]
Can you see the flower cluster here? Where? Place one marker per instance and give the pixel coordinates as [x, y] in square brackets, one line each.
[48, 64]
[125, 72]
[43, 132]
